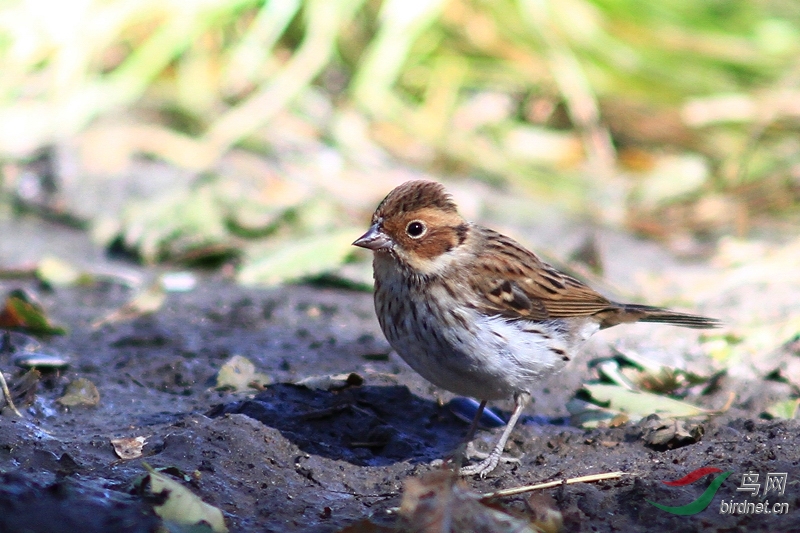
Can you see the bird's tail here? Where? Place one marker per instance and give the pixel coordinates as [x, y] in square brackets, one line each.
[646, 313]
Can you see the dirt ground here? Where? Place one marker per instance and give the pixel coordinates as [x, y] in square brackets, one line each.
[291, 458]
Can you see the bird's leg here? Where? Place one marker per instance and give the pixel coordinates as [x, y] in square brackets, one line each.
[473, 427]
[487, 465]
[461, 450]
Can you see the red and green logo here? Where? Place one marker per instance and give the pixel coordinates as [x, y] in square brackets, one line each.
[702, 501]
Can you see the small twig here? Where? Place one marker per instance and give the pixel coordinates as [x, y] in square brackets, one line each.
[7, 395]
[529, 488]
[728, 404]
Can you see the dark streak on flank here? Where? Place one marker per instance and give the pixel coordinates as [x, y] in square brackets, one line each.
[461, 233]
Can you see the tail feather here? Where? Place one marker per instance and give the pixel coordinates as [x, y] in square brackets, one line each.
[628, 313]
[646, 313]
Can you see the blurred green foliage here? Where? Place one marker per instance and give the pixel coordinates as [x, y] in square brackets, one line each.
[565, 99]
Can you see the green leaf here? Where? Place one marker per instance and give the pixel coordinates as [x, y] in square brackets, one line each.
[787, 409]
[22, 312]
[589, 415]
[181, 505]
[641, 404]
[300, 258]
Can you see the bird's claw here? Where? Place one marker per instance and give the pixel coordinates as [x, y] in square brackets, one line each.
[489, 461]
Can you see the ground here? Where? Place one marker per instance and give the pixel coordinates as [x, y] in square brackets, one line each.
[292, 458]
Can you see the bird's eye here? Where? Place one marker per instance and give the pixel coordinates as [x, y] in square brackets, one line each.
[416, 229]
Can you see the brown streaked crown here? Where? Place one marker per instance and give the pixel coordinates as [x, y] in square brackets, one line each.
[415, 195]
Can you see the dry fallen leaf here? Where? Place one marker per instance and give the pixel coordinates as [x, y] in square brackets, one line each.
[147, 302]
[239, 374]
[80, 392]
[128, 447]
[441, 503]
[331, 382]
[544, 513]
[23, 390]
[670, 434]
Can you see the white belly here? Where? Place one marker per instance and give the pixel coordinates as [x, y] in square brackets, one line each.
[491, 360]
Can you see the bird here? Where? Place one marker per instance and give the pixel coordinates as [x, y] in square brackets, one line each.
[476, 313]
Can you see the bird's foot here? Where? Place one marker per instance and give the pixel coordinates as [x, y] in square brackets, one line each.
[489, 461]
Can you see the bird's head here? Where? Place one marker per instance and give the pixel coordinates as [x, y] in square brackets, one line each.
[418, 225]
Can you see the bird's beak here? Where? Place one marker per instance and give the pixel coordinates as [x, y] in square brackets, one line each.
[374, 239]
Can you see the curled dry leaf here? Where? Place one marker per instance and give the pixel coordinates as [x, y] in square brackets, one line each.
[128, 447]
[24, 387]
[670, 434]
[331, 382]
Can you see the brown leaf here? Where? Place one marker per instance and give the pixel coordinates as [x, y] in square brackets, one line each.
[441, 503]
[544, 513]
[670, 434]
[128, 447]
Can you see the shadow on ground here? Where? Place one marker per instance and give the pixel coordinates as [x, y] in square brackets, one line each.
[365, 426]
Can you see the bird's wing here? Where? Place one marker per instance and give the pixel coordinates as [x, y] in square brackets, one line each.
[511, 281]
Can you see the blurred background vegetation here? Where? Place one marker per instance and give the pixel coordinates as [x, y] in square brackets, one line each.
[188, 130]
